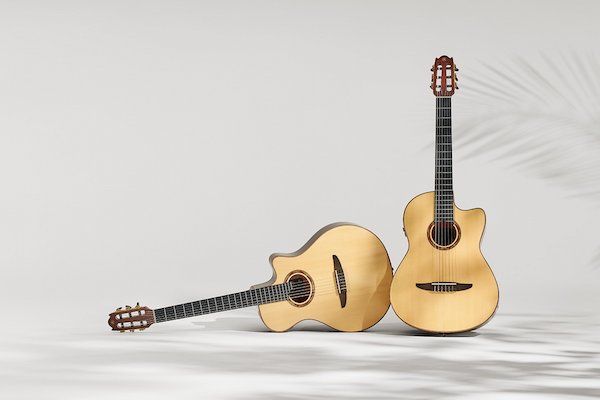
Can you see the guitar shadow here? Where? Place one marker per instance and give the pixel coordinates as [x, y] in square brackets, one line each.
[253, 324]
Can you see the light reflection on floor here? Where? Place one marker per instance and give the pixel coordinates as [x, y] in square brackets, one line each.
[234, 357]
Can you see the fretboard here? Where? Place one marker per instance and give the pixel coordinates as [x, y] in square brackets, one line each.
[252, 297]
[444, 194]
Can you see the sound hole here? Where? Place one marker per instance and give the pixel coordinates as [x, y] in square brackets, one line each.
[444, 234]
[302, 289]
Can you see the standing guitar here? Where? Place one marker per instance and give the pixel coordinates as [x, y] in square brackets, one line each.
[443, 284]
[341, 278]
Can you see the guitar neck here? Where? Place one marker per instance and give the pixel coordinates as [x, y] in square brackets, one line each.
[252, 297]
[444, 193]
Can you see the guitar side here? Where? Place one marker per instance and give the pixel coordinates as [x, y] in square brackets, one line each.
[443, 311]
[367, 274]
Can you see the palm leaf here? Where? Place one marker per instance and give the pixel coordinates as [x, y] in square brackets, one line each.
[540, 116]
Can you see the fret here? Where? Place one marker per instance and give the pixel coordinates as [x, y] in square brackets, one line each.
[247, 298]
[159, 315]
[178, 310]
[170, 313]
[444, 195]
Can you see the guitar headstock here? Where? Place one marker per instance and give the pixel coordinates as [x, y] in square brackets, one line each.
[131, 318]
[443, 77]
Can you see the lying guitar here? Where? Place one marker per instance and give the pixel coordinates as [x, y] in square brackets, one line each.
[443, 283]
[341, 278]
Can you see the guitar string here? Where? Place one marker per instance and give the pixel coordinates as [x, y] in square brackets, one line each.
[322, 284]
[242, 304]
[317, 291]
[319, 284]
[437, 188]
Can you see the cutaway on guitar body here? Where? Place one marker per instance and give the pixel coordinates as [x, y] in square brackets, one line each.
[443, 284]
[341, 278]
[350, 273]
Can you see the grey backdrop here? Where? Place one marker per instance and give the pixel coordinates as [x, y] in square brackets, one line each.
[160, 151]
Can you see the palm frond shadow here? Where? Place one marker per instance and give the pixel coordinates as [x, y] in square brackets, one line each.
[540, 116]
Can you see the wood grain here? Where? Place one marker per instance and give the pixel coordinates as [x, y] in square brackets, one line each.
[368, 274]
[443, 312]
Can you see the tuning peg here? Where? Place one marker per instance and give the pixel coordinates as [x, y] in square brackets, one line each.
[128, 307]
[132, 330]
[431, 69]
[457, 88]
[119, 308]
[456, 69]
[122, 331]
[137, 305]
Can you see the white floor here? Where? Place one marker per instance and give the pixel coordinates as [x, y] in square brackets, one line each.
[232, 356]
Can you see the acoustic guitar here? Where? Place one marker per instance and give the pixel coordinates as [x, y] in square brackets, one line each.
[340, 277]
[443, 284]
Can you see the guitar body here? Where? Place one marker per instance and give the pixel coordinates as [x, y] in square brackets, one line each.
[443, 309]
[363, 271]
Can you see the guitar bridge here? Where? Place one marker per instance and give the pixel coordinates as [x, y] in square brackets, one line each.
[444, 287]
[340, 280]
